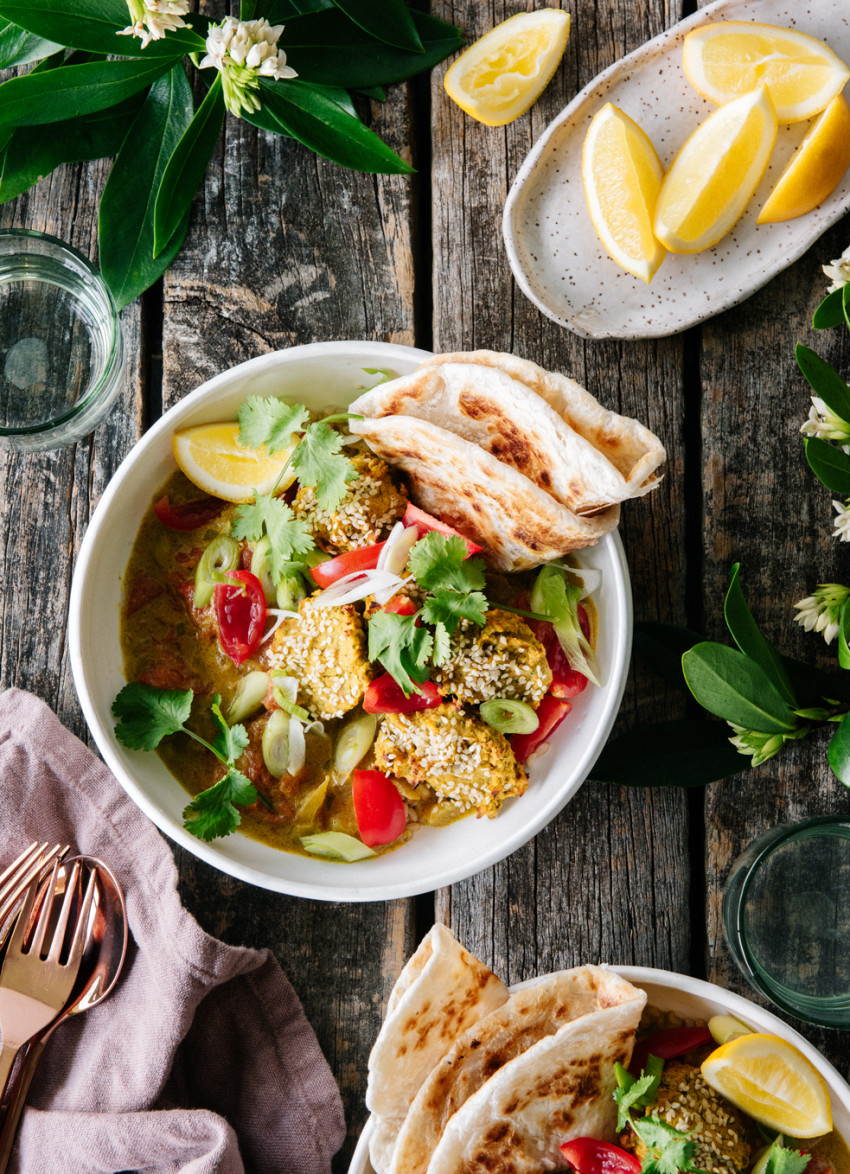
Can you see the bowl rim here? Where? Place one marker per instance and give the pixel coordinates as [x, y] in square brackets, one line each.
[345, 890]
[699, 988]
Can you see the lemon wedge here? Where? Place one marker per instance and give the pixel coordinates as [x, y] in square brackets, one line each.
[504, 72]
[212, 458]
[622, 176]
[816, 167]
[772, 1081]
[728, 58]
[711, 180]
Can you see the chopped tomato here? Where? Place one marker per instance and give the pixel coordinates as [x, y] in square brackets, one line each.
[364, 559]
[240, 609]
[550, 713]
[589, 1156]
[566, 681]
[385, 695]
[414, 516]
[378, 808]
[668, 1044]
[189, 515]
[401, 605]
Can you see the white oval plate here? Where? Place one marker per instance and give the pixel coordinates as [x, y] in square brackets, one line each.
[553, 248]
[321, 374]
[692, 998]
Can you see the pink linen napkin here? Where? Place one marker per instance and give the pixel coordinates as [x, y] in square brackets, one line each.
[201, 1060]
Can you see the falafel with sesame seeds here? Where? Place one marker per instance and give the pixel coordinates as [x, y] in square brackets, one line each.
[460, 757]
[502, 659]
[372, 503]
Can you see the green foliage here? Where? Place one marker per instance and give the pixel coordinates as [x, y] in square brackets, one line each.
[269, 421]
[70, 91]
[94, 25]
[401, 647]
[214, 812]
[19, 47]
[146, 715]
[829, 464]
[288, 535]
[440, 560]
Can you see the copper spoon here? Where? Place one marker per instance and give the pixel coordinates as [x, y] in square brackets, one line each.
[99, 971]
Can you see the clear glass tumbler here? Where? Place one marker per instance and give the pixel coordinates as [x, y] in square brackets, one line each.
[786, 914]
[61, 352]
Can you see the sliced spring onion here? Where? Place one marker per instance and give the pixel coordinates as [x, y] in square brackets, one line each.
[261, 567]
[509, 716]
[220, 556]
[278, 615]
[336, 846]
[284, 691]
[248, 697]
[297, 746]
[275, 743]
[355, 738]
[394, 556]
[290, 591]
[553, 596]
[359, 584]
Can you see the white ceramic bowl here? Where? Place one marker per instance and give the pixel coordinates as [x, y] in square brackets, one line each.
[318, 374]
[691, 998]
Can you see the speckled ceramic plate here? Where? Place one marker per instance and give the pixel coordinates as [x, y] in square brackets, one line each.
[553, 249]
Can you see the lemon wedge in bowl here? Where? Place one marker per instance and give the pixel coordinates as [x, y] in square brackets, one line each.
[211, 456]
[712, 179]
[816, 168]
[622, 177]
[773, 1082]
[728, 58]
[504, 72]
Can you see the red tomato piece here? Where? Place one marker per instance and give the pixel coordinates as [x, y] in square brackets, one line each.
[401, 605]
[550, 713]
[385, 695]
[566, 681]
[240, 609]
[589, 1156]
[668, 1044]
[414, 516]
[364, 559]
[189, 515]
[378, 808]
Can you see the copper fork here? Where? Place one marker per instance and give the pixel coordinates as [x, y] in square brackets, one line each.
[34, 988]
[32, 864]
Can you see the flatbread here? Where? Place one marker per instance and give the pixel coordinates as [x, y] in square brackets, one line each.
[559, 1088]
[633, 449]
[517, 523]
[532, 1013]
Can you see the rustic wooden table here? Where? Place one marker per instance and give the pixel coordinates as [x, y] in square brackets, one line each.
[285, 248]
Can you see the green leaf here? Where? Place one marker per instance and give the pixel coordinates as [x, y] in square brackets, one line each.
[125, 226]
[830, 312]
[269, 421]
[401, 647]
[783, 1159]
[824, 381]
[390, 21]
[314, 117]
[812, 685]
[844, 637]
[326, 47]
[147, 714]
[447, 608]
[33, 152]
[213, 813]
[838, 752]
[185, 169]
[19, 47]
[440, 560]
[663, 646]
[730, 685]
[229, 741]
[287, 534]
[319, 463]
[73, 90]
[752, 643]
[95, 25]
[675, 754]
[829, 464]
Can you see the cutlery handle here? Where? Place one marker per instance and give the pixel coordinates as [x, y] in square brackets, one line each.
[8, 1052]
[17, 1097]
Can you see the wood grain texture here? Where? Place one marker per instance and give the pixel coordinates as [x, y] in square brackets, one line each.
[608, 879]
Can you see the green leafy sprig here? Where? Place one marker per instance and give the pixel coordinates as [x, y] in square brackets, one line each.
[146, 715]
[92, 92]
[668, 1150]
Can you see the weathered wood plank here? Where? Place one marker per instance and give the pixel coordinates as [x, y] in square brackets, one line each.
[608, 880]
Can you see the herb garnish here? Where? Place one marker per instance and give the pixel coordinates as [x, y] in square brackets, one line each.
[147, 715]
[669, 1150]
[783, 1160]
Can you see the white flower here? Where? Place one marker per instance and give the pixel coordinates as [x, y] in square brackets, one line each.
[841, 523]
[821, 611]
[824, 423]
[152, 19]
[243, 52]
[753, 742]
[838, 271]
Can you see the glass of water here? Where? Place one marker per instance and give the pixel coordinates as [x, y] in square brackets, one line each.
[786, 915]
[61, 352]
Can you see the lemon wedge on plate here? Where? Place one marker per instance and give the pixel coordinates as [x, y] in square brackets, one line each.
[728, 58]
[504, 72]
[772, 1081]
[711, 180]
[622, 177]
[816, 168]
[212, 458]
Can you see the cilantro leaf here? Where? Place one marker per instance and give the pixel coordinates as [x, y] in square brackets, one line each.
[635, 1093]
[287, 534]
[783, 1160]
[213, 813]
[670, 1150]
[318, 462]
[270, 421]
[403, 649]
[442, 644]
[448, 608]
[440, 560]
[229, 741]
[147, 714]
